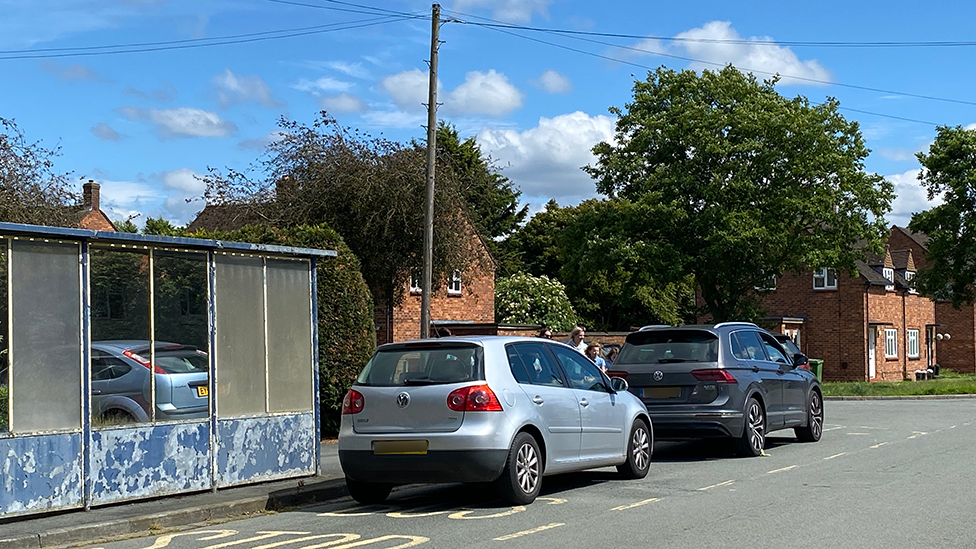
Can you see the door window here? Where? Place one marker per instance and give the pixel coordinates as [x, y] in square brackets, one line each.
[582, 373]
[746, 346]
[773, 350]
[538, 365]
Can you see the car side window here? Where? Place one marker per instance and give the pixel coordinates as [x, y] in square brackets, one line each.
[772, 349]
[538, 365]
[518, 368]
[106, 367]
[582, 373]
[746, 346]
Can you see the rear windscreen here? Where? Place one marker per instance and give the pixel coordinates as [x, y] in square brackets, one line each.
[186, 361]
[666, 346]
[429, 365]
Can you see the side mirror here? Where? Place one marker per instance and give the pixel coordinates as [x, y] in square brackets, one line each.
[619, 384]
[800, 361]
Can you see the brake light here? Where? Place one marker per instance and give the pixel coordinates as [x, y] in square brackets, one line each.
[615, 373]
[804, 366]
[353, 402]
[141, 360]
[477, 398]
[716, 375]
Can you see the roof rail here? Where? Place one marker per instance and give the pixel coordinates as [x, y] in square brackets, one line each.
[652, 326]
[721, 324]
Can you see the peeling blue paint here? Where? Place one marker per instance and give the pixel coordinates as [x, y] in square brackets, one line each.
[148, 461]
[265, 448]
[40, 473]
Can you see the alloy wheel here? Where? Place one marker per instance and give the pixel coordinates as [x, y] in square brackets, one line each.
[527, 468]
[816, 415]
[641, 448]
[757, 427]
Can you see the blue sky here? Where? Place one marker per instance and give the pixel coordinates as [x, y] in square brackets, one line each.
[144, 124]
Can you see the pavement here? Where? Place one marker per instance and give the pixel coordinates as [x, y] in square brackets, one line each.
[142, 518]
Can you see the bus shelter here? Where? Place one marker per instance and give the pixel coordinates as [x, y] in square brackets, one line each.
[139, 366]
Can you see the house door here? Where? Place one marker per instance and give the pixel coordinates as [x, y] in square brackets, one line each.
[872, 365]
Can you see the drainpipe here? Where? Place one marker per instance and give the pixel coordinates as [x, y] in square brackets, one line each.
[866, 357]
[904, 328]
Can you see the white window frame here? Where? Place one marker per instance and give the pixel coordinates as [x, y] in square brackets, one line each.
[912, 349]
[891, 343]
[909, 275]
[454, 284]
[824, 275]
[767, 285]
[889, 274]
[415, 285]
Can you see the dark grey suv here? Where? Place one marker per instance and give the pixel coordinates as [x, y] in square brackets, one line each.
[731, 379]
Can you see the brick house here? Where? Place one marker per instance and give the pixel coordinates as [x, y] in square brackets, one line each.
[959, 351]
[89, 214]
[468, 298]
[869, 325]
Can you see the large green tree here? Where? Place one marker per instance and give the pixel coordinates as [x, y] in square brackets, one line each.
[949, 172]
[30, 190]
[741, 183]
[533, 248]
[370, 190]
[492, 200]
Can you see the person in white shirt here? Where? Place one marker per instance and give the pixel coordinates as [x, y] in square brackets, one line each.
[576, 339]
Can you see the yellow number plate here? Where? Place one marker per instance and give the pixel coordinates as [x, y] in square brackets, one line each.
[393, 447]
[202, 391]
[661, 392]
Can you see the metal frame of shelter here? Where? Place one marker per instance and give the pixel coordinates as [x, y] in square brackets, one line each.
[54, 455]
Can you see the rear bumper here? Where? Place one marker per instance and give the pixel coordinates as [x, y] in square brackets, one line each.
[696, 424]
[435, 466]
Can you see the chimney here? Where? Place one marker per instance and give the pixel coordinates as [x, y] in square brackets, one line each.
[91, 194]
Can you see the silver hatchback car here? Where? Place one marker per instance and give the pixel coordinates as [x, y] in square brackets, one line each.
[506, 410]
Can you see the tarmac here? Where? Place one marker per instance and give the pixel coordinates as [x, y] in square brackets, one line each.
[150, 517]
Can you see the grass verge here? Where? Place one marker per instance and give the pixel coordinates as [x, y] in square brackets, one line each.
[950, 383]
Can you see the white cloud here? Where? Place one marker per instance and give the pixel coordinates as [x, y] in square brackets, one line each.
[553, 82]
[71, 73]
[165, 92]
[514, 11]
[355, 70]
[232, 89]
[261, 143]
[182, 122]
[394, 119]
[545, 161]
[343, 103]
[898, 155]
[408, 89]
[326, 84]
[121, 200]
[910, 197]
[971, 126]
[105, 132]
[768, 58]
[186, 194]
[487, 93]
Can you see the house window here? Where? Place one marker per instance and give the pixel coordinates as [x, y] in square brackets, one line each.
[454, 285]
[415, 287]
[767, 285]
[824, 279]
[889, 274]
[891, 343]
[912, 344]
[909, 275]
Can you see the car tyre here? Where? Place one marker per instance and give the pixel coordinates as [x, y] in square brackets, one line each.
[521, 480]
[815, 416]
[639, 449]
[753, 438]
[368, 492]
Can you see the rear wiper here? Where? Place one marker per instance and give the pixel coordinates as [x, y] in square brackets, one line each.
[670, 360]
[419, 382]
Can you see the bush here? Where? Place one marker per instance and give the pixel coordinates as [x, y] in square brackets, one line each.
[345, 309]
[526, 299]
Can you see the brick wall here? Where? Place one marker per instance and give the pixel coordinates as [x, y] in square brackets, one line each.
[959, 352]
[95, 220]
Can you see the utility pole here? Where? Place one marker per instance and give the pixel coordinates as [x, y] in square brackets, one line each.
[435, 25]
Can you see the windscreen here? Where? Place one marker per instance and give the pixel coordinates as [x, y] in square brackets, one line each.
[667, 346]
[423, 365]
[185, 361]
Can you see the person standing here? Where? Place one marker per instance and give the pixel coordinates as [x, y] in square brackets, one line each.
[576, 339]
[611, 356]
[545, 333]
[593, 353]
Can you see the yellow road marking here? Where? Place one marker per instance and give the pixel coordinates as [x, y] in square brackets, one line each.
[917, 434]
[412, 541]
[638, 504]
[463, 515]
[553, 501]
[356, 511]
[407, 514]
[343, 538]
[857, 433]
[532, 531]
[163, 541]
[726, 483]
[781, 470]
[835, 456]
[878, 445]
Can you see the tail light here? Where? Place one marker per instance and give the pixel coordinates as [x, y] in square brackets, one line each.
[145, 362]
[477, 398]
[353, 402]
[804, 366]
[615, 373]
[716, 375]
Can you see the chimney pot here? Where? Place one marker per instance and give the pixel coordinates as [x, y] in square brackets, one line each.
[90, 194]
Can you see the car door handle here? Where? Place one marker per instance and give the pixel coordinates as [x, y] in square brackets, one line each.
[584, 403]
[538, 399]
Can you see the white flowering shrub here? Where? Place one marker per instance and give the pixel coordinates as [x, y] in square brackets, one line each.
[527, 299]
